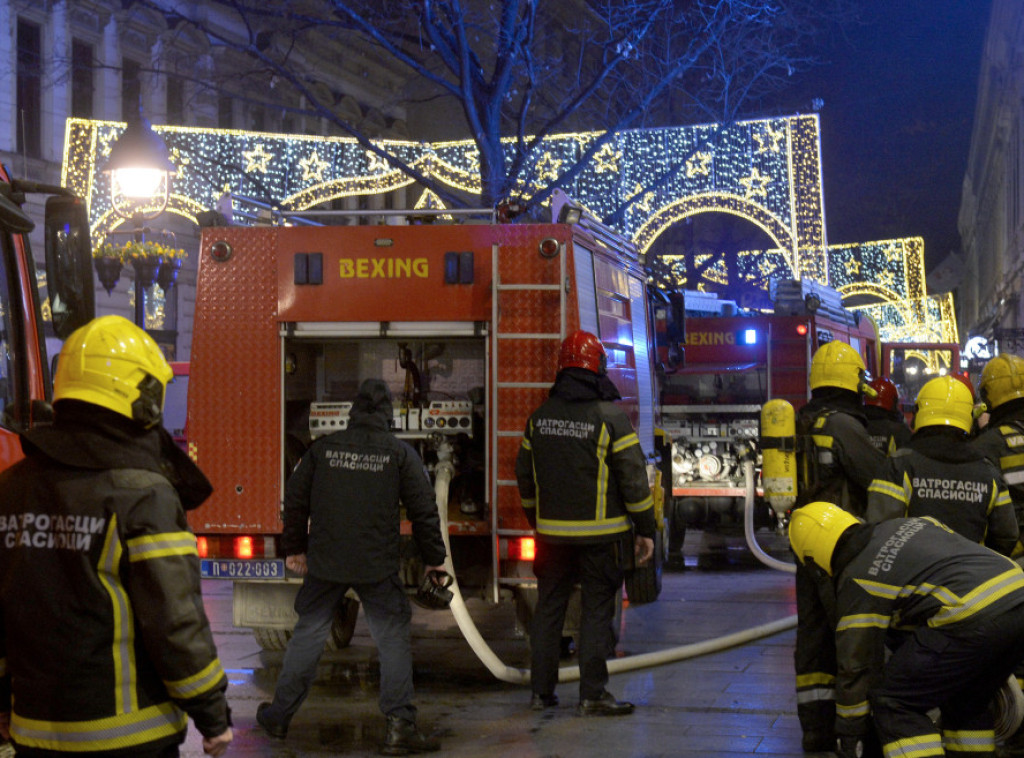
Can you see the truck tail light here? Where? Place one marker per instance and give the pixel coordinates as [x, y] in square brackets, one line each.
[202, 546]
[243, 547]
[801, 329]
[522, 549]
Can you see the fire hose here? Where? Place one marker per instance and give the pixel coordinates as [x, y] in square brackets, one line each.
[748, 524]
[443, 473]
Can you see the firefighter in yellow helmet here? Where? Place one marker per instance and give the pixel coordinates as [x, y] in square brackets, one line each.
[99, 575]
[1001, 389]
[956, 609]
[941, 474]
[836, 462]
[1002, 440]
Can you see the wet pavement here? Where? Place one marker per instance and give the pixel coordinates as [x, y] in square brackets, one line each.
[739, 701]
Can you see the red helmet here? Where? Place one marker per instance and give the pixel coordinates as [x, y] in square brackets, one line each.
[964, 377]
[583, 350]
[886, 394]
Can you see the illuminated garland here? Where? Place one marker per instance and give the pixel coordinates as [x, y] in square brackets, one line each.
[765, 171]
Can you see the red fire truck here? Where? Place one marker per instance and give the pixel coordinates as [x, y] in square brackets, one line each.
[725, 365]
[28, 342]
[730, 364]
[462, 320]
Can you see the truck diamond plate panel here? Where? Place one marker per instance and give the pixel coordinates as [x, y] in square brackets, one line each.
[234, 348]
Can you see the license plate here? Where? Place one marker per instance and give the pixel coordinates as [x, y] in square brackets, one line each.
[231, 568]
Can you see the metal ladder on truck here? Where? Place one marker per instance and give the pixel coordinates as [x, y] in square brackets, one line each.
[503, 292]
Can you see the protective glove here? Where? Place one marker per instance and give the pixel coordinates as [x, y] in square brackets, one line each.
[850, 746]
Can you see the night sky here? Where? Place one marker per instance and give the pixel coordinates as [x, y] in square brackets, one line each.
[899, 94]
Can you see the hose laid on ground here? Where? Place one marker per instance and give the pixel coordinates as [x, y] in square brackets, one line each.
[443, 473]
[748, 525]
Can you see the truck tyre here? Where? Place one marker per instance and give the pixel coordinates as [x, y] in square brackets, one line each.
[342, 629]
[271, 639]
[344, 625]
[643, 584]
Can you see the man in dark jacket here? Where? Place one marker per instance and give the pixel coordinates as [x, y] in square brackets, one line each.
[837, 463]
[583, 481]
[106, 646]
[940, 474]
[950, 609]
[341, 530]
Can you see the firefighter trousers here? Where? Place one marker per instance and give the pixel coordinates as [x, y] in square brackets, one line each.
[559, 567]
[956, 669]
[814, 656]
[387, 612]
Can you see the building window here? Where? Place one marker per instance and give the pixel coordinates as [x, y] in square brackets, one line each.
[175, 100]
[225, 112]
[30, 99]
[257, 118]
[81, 79]
[131, 89]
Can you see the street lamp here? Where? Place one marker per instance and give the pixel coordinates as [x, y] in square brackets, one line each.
[140, 171]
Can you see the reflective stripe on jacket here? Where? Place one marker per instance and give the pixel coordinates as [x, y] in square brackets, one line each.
[910, 573]
[100, 602]
[582, 474]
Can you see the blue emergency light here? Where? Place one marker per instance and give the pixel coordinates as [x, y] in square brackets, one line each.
[748, 336]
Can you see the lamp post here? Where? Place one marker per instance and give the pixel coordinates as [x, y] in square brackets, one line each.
[140, 171]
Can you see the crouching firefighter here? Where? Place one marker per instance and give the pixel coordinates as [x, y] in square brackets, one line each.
[948, 610]
[836, 461]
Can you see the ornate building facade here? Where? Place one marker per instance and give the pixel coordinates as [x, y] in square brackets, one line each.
[991, 219]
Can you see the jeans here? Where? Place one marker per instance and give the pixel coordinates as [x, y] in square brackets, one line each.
[387, 613]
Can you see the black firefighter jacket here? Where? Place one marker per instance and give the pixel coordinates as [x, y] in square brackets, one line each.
[838, 460]
[902, 575]
[104, 643]
[1002, 442]
[349, 488]
[947, 478]
[581, 472]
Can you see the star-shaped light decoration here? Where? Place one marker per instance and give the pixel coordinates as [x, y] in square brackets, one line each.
[644, 203]
[756, 178]
[257, 159]
[180, 160]
[105, 140]
[698, 164]
[313, 168]
[377, 164]
[607, 159]
[852, 266]
[547, 166]
[769, 140]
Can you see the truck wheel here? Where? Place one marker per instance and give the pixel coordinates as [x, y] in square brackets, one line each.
[643, 584]
[271, 639]
[344, 625]
[342, 629]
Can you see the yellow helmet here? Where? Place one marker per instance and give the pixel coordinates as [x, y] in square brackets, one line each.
[944, 401]
[836, 364]
[112, 363]
[1002, 380]
[814, 531]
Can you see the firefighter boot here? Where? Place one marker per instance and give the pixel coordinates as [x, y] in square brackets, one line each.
[402, 737]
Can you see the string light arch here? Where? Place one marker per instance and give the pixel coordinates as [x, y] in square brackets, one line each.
[767, 171]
